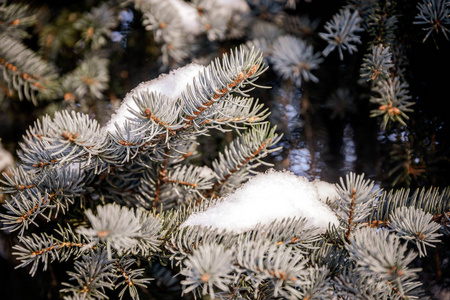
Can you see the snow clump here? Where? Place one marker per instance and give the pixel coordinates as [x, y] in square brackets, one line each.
[270, 196]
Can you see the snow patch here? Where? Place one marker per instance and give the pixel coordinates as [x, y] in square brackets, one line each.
[267, 197]
[326, 190]
[171, 85]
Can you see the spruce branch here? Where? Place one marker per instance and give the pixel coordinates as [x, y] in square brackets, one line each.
[125, 145]
[243, 154]
[435, 15]
[222, 77]
[351, 212]
[206, 269]
[129, 277]
[125, 230]
[72, 139]
[200, 104]
[214, 18]
[318, 285]
[174, 50]
[44, 194]
[234, 112]
[431, 200]
[367, 10]
[62, 184]
[58, 35]
[434, 201]
[15, 18]
[302, 25]
[382, 23]
[283, 268]
[184, 241]
[191, 177]
[76, 137]
[356, 197]
[172, 218]
[93, 274]
[355, 285]
[163, 21]
[23, 209]
[394, 101]
[381, 253]
[416, 226]
[266, 9]
[341, 32]
[294, 59]
[264, 43]
[172, 183]
[17, 179]
[156, 114]
[330, 252]
[118, 183]
[46, 248]
[25, 72]
[174, 24]
[293, 232]
[35, 157]
[223, 20]
[34, 134]
[151, 187]
[377, 65]
[96, 26]
[88, 81]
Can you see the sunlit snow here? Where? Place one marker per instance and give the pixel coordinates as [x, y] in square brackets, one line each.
[171, 85]
[267, 197]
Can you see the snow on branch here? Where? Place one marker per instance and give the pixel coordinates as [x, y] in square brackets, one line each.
[265, 198]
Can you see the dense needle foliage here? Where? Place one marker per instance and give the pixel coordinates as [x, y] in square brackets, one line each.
[140, 114]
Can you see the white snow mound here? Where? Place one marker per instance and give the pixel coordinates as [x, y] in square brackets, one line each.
[267, 197]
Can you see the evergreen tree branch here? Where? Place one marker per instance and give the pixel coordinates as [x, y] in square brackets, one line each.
[125, 230]
[25, 72]
[15, 18]
[131, 277]
[236, 157]
[355, 202]
[44, 249]
[382, 254]
[93, 275]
